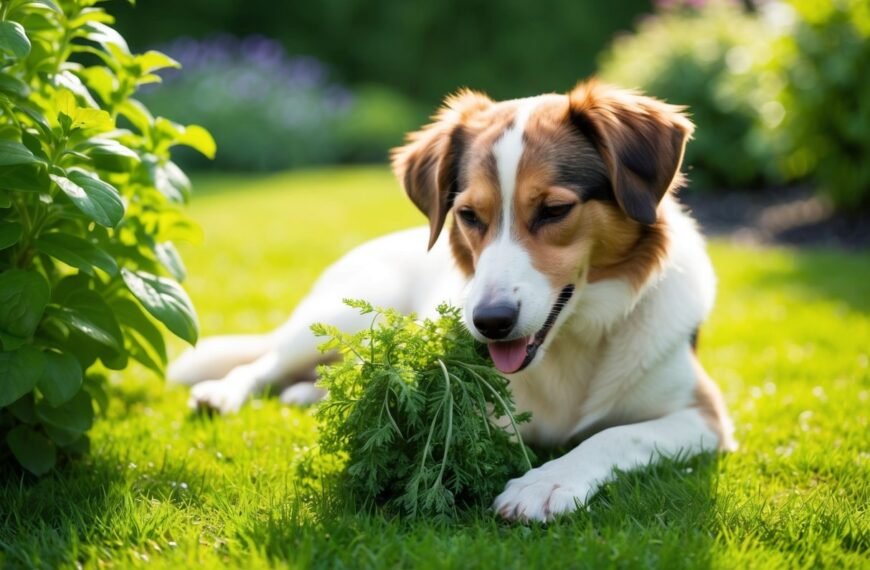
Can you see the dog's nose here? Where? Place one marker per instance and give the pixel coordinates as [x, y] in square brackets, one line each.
[495, 321]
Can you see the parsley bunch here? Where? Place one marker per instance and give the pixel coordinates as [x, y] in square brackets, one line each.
[411, 407]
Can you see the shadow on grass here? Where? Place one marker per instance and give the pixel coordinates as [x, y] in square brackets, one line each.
[91, 503]
[663, 516]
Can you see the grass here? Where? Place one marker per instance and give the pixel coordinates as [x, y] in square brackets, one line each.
[789, 343]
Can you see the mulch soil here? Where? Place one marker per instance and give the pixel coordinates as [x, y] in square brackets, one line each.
[778, 216]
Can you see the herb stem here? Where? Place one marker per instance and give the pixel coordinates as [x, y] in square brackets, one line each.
[447, 440]
[507, 410]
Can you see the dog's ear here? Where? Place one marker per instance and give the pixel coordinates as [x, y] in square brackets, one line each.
[641, 140]
[428, 165]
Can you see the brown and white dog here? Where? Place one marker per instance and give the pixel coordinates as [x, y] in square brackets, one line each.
[573, 262]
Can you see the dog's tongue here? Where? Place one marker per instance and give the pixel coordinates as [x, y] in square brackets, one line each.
[508, 356]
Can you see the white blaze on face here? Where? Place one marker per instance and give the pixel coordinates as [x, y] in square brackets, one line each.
[504, 272]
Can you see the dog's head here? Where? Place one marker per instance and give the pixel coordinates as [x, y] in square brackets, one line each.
[548, 193]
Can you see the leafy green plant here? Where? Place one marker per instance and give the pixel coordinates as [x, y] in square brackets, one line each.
[411, 410]
[702, 57]
[88, 215]
[818, 67]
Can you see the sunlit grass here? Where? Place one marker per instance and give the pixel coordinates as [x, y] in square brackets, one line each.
[789, 343]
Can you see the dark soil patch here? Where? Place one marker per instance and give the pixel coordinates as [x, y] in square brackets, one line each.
[778, 216]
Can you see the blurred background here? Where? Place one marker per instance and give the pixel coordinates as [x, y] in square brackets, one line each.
[779, 90]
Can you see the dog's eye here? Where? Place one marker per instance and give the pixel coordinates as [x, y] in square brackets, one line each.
[470, 219]
[548, 214]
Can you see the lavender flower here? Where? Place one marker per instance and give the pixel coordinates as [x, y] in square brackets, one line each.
[265, 108]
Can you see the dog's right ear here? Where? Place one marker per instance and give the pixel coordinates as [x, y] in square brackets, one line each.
[429, 162]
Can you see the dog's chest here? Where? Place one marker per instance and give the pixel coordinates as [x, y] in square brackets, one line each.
[555, 390]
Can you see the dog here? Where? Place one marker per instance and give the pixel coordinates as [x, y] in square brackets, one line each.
[572, 260]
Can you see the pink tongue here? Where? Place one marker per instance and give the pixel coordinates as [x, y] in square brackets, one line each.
[508, 356]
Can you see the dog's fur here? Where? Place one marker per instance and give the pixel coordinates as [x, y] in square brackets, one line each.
[547, 193]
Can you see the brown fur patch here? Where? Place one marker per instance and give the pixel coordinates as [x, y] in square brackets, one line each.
[428, 165]
[711, 405]
[462, 253]
[628, 250]
[641, 139]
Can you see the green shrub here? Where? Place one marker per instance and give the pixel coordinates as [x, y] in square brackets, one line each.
[820, 66]
[703, 58]
[88, 215]
[422, 50]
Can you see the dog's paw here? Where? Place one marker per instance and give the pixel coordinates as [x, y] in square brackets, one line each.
[302, 394]
[542, 494]
[217, 395]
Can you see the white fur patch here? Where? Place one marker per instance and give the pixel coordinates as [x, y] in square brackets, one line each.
[567, 483]
[505, 272]
[508, 150]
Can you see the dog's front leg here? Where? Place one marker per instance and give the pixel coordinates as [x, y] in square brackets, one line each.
[227, 394]
[564, 484]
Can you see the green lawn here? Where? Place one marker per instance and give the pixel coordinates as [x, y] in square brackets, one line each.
[789, 343]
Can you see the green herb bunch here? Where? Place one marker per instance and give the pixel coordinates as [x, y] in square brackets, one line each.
[411, 407]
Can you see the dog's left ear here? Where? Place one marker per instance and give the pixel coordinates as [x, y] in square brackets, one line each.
[641, 139]
[428, 164]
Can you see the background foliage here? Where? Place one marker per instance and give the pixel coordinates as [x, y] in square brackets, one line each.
[819, 65]
[774, 85]
[88, 215]
[777, 92]
[422, 50]
[702, 58]
[271, 111]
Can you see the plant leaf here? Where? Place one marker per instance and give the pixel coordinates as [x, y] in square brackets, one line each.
[198, 138]
[48, 4]
[109, 154]
[32, 449]
[99, 200]
[13, 39]
[166, 300]
[169, 180]
[76, 252]
[24, 409]
[153, 60]
[61, 378]
[100, 80]
[20, 371]
[75, 415]
[13, 152]
[9, 234]
[137, 114]
[68, 80]
[23, 297]
[61, 436]
[87, 312]
[171, 260]
[13, 86]
[146, 340]
[24, 178]
[105, 36]
[93, 119]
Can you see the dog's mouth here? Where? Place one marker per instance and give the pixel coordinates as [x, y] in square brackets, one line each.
[510, 356]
